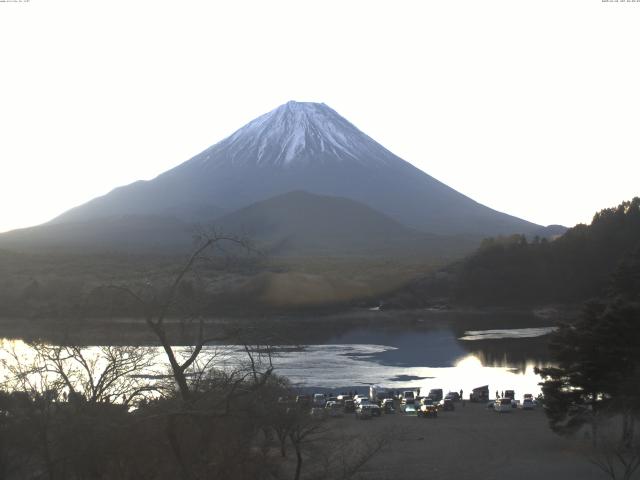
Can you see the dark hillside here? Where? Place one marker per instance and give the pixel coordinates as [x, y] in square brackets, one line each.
[302, 223]
[515, 271]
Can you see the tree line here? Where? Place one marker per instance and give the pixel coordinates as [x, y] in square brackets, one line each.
[593, 389]
[517, 270]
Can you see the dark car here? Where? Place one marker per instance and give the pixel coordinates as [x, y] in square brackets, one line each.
[376, 411]
[435, 394]
[364, 413]
[349, 406]
[453, 396]
[480, 394]
[447, 405]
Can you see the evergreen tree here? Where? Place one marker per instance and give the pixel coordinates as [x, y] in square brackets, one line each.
[598, 359]
[572, 268]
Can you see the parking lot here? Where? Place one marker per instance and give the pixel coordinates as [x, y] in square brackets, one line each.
[471, 442]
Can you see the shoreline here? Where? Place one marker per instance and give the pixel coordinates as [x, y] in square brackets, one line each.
[283, 329]
[552, 312]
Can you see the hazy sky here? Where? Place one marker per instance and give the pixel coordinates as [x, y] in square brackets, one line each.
[529, 107]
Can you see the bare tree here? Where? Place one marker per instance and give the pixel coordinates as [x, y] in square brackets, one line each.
[158, 303]
[304, 430]
[106, 374]
[615, 447]
[72, 398]
[32, 401]
[322, 450]
[205, 391]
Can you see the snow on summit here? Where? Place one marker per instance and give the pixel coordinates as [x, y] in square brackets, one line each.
[301, 147]
[297, 133]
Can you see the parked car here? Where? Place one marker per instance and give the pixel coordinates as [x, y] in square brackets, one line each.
[349, 406]
[512, 395]
[409, 409]
[503, 405]
[447, 405]
[427, 401]
[480, 394]
[319, 400]
[428, 411]
[435, 394]
[453, 396]
[376, 411]
[364, 413]
[527, 404]
[361, 399]
[408, 396]
[388, 403]
[334, 409]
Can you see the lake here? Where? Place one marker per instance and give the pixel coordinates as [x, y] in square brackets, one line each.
[448, 350]
[415, 357]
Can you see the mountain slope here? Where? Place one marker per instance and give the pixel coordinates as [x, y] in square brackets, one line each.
[303, 146]
[304, 223]
[126, 233]
[295, 223]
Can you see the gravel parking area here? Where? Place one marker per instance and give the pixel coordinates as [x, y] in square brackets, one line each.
[471, 442]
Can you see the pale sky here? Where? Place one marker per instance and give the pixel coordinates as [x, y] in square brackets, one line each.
[529, 107]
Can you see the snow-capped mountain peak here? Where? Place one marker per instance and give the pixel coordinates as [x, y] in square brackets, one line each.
[297, 133]
[306, 147]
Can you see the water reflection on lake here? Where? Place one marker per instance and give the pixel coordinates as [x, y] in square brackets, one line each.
[357, 366]
[507, 333]
[462, 353]
[425, 358]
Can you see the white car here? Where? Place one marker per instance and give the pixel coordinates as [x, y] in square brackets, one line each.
[503, 405]
[319, 399]
[527, 404]
[409, 409]
[388, 406]
[408, 396]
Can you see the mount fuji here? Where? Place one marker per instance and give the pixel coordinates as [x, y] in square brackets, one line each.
[298, 147]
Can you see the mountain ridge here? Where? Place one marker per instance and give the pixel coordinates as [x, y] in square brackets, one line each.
[305, 146]
[296, 223]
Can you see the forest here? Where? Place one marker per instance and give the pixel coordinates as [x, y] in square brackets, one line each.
[517, 271]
